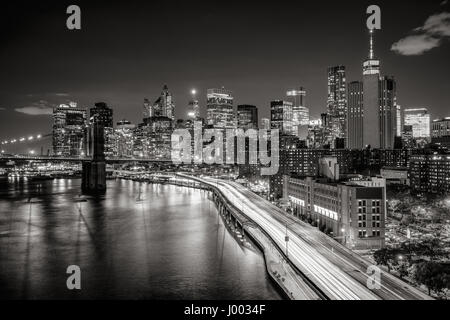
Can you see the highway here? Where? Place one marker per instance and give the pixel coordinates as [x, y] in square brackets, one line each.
[336, 270]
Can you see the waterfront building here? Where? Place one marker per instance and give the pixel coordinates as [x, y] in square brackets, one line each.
[69, 131]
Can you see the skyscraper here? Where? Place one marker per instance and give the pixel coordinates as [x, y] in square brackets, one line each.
[219, 108]
[387, 113]
[147, 109]
[420, 121]
[300, 113]
[399, 121]
[247, 117]
[164, 106]
[69, 130]
[355, 115]
[371, 82]
[103, 114]
[281, 116]
[337, 103]
[265, 124]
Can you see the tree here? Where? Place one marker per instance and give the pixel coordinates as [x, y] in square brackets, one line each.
[403, 270]
[383, 257]
[435, 276]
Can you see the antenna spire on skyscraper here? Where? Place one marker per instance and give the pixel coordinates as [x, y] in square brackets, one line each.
[371, 44]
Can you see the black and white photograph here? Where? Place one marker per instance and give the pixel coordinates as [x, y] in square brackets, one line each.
[242, 151]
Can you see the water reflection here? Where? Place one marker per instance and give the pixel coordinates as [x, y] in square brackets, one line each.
[138, 241]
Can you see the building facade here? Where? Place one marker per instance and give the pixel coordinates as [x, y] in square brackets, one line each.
[164, 106]
[70, 128]
[420, 120]
[300, 113]
[281, 113]
[337, 103]
[247, 117]
[219, 109]
[355, 115]
[430, 174]
[353, 214]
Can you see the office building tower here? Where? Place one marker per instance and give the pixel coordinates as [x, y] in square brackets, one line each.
[124, 139]
[440, 132]
[408, 137]
[300, 113]
[219, 108]
[164, 106]
[429, 174]
[247, 117]
[355, 115]
[399, 121]
[265, 124]
[387, 112]
[337, 103]
[147, 109]
[281, 117]
[193, 110]
[371, 82]
[69, 131]
[420, 120]
[103, 114]
[158, 139]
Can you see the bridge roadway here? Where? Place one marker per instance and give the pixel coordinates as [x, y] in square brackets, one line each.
[337, 271]
[76, 159]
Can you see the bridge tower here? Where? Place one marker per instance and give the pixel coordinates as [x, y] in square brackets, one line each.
[94, 171]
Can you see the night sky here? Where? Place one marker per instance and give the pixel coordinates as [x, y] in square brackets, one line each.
[127, 50]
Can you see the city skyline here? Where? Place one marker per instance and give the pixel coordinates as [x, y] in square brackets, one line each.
[30, 102]
[233, 150]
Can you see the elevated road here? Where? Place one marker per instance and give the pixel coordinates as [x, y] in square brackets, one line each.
[336, 270]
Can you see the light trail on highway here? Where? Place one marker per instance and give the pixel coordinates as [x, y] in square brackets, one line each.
[338, 272]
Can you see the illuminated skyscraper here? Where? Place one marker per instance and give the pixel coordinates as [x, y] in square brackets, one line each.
[399, 121]
[103, 113]
[219, 108]
[247, 117]
[147, 109]
[420, 121]
[164, 106]
[337, 103]
[371, 82]
[124, 139]
[103, 116]
[281, 117]
[69, 131]
[355, 115]
[265, 124]
[300, 112]
[388, 111]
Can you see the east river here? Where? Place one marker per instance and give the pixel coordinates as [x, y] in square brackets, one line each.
[139, 241]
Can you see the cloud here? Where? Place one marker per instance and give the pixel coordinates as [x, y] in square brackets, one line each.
[2, 109]
[431, 35]
[438, 25]
[62, 94]
[39, 108]
[415, 45]
[443, 3]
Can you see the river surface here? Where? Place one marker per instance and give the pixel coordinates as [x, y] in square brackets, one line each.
[139, 241]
